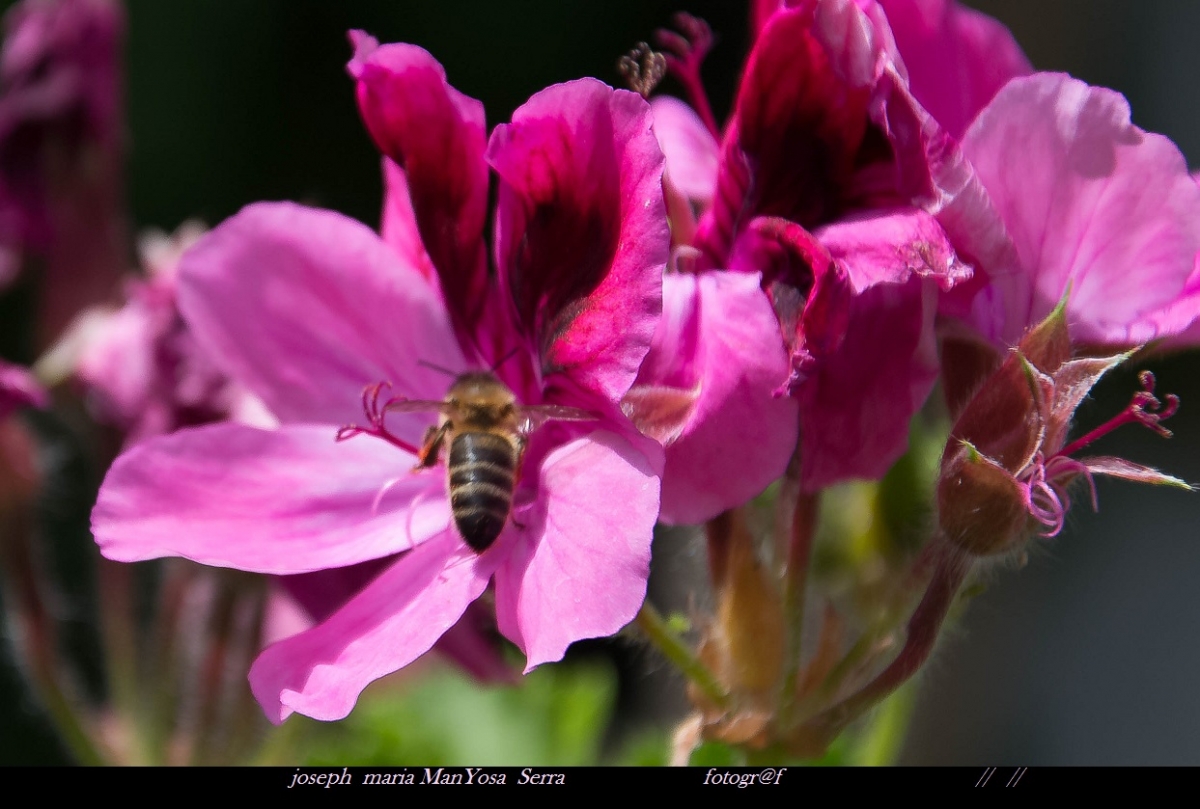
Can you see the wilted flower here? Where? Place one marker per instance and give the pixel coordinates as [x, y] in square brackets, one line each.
[1007, 466]
[306, 307]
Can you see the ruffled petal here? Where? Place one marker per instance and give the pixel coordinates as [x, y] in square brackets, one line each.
[437, 135]
[306, 307]
[392, 622]
[690, 150]
[857, 400]
[270, 501]
[579, 565]
[957, 58]
[582, 236]
[1092, 203]
[719, 354]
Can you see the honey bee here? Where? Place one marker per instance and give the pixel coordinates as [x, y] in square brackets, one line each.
[485, 432]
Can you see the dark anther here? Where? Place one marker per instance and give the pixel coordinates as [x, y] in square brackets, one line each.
[643, 69]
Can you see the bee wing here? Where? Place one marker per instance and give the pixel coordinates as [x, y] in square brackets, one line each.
[416, 406]
[533, 416]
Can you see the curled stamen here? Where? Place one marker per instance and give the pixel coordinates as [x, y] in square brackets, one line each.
[1046, 499]
[642, 68]
[375, 413]
[684, 55]
[1145, 408]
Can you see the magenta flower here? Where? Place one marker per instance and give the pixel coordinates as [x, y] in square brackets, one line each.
[306, 307]
[820, 184]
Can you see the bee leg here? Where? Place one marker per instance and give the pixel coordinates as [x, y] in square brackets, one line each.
[432, 442]
[521, 442]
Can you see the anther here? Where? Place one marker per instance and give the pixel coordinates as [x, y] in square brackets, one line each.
[643, 68]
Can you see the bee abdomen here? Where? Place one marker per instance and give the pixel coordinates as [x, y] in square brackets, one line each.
[482, 468]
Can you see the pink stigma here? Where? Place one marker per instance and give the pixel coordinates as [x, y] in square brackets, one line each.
[1145, 408]
[685, 52]
[375, 413]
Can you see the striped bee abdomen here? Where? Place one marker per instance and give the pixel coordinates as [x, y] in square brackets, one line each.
[482, 469]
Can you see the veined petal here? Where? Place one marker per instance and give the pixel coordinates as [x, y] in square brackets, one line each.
[1090, 201]
[306, 307]
[270, 501]
[582, 236]
[690, 150]
[720, 341]
[890, 246]
[957, 58]
[437, 135]
[578, 568]
[392, 622]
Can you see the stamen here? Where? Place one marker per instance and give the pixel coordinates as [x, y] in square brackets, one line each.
[375, 413]
[685, 54]
[642, 68]
[1145, 408]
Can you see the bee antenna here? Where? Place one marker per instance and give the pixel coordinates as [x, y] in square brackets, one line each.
[438, 368]
[505, 358]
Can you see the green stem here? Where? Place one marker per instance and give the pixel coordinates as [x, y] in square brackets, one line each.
[923, 629]
[799, 554]
[675, 650]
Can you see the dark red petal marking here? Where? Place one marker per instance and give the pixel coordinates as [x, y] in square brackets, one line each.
[437, 135]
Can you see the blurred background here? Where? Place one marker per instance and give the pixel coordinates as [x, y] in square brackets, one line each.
[1086, 656]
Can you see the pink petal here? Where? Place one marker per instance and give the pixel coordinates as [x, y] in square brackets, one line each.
[579, 566]
[582, 237]
[271, 501]
[306, 307]
[799, 121]
[437, 135]
[858, 398]
[957, 58]
[689, 148]
[391, 623]
[857, 403]
[1091, 202]
[890, 246]
[398, 225]
[719, 337]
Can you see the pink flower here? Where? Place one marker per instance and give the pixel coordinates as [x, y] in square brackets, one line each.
[820, 184]
[1063, 195]
[139, 364]
[306, 307]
